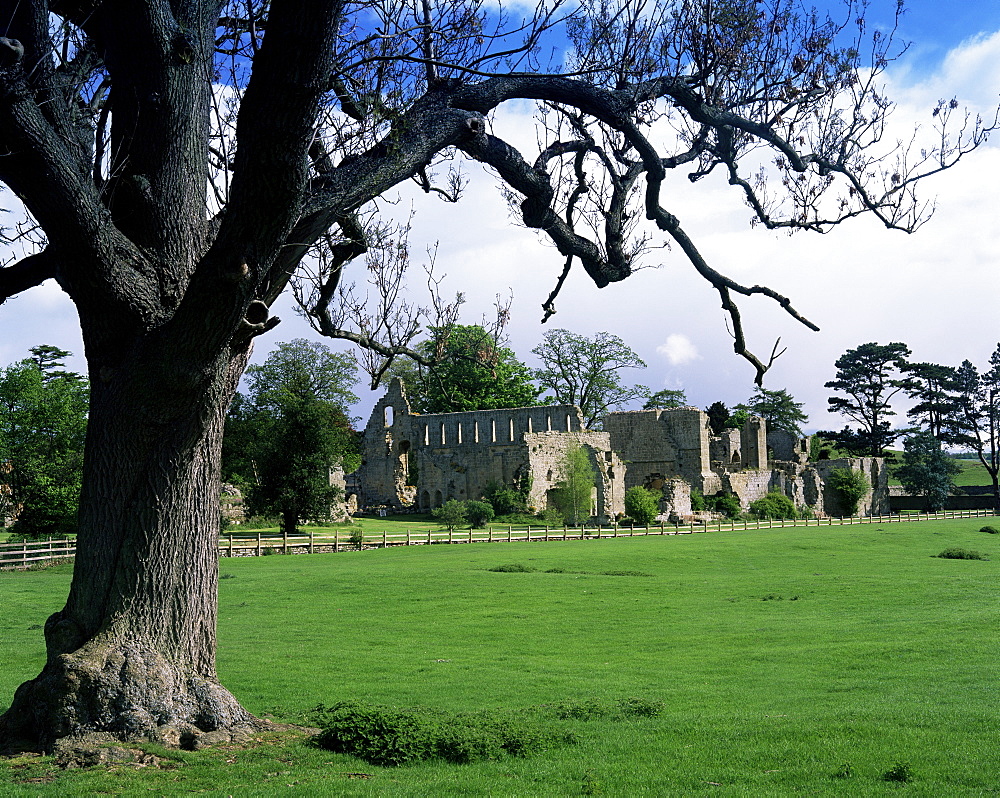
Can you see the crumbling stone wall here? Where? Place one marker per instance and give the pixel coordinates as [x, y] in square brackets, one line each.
[421, 461]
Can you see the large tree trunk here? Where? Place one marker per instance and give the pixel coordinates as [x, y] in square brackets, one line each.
[133, 651]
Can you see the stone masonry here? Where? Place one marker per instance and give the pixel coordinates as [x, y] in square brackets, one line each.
[414, 461]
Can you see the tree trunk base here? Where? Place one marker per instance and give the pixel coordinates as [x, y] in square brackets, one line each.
[124, 691]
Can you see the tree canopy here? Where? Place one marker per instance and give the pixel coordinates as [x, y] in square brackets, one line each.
[43, 424]
[927, 470]
[778, 408]
[472, 371]
[181, 163]
[869, 377]
[292, 428]
[586, 372]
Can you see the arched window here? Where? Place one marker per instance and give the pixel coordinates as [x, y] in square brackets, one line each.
[388, 415]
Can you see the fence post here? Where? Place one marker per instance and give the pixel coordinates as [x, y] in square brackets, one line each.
[510, 531]
[230, 544]
[470, 534]
[258, 544]
[284, 541]
[407, 536]
[336, 539]
[489, 534]
[429, 541]
[312, 541]
[383, 539]
[450, 530]
[546, 533]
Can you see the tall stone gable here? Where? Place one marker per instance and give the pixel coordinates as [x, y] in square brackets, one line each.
[414, 461]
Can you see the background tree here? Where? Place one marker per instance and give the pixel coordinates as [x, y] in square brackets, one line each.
[181, 159]
[471, 370]
[43, 424]
[778, 408]
[975, 425]
[291, 429]
[573, 494]
[718, 417]
[933, 388]
[870, 376]
[665, 400]
[927, 470]
[586, 372]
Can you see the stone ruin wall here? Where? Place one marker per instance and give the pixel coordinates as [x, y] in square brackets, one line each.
[546, 461]
[420, 461]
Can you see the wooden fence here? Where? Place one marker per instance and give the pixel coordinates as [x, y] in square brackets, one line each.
[23, 555]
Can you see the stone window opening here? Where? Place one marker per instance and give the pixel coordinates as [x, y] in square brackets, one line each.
[475, 431]
[458, 438]
[511, 431]
[443, 439]
[388, 415]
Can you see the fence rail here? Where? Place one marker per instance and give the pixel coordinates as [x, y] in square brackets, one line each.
[25, 554]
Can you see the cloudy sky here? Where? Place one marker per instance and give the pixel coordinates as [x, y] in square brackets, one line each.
[936, 290]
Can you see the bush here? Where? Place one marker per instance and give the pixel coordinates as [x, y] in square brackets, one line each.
[697, 501]
[479, 513]
[851, 486]
[550, 516]
[774, 506]
[503, 500]
[989, 530]
[512, 568]
[725, 503]
[956, 553]
[451, 514]
[641, 505]
[901, 772]
[389, 736]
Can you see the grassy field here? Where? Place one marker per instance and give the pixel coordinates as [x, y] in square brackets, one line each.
[788, 661]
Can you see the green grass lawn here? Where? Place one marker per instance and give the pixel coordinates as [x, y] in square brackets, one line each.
[783, 657]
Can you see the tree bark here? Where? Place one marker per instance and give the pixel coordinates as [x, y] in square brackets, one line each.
[133, 651]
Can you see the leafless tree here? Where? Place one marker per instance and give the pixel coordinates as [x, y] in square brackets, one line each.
[182, 158]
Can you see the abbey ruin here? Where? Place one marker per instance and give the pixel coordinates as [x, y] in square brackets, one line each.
[414, 461]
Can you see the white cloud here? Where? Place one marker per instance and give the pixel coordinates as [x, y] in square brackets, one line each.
[679, 350]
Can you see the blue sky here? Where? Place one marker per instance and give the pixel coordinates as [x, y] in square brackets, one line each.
[935, 290]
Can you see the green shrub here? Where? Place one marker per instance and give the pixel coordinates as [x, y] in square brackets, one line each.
[774, 506]
[901, 772]
[989, 530]
[451, 514]
[725, 503]
[957, 553]
[593, 709]
[697, 501]
[357, 537]
[550, 516]
[503, 500]
[641, 505]
[851, 486]
[479, 513]
[512, 568]
[389, 736]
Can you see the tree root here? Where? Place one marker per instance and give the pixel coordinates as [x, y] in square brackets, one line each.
[126, 692]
